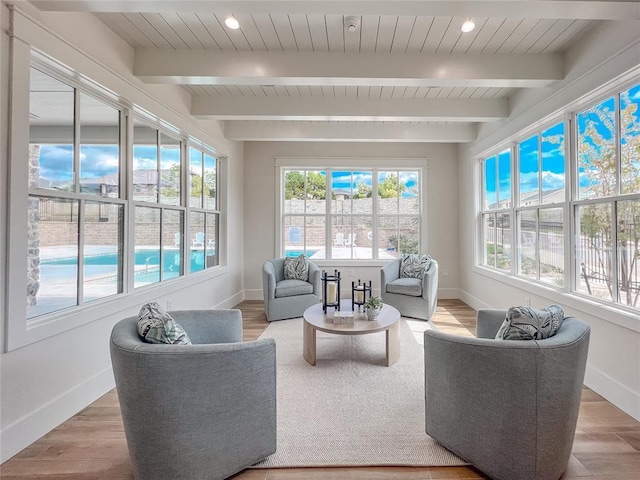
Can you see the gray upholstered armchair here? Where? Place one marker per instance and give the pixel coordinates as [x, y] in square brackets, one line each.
[288, 298]
[201, 411]
[413, 297]
[509, 407]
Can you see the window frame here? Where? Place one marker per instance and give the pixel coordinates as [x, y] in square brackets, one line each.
[571, 201]
[329, 164]
[21, 330]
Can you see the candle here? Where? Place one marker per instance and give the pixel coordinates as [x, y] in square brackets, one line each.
[359, 296]
[331, 292]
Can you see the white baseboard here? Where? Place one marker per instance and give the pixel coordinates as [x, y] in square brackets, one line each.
[34, 425]
[472, 301]
[448, 293]
[232, 301]
[254, 294]
[621, 396]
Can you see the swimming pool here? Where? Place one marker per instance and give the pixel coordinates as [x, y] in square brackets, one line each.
[296, 253]
[146, 261]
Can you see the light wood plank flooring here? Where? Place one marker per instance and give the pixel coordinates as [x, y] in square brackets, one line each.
[91, 445]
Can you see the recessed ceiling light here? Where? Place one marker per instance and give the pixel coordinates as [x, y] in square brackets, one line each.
[232, 22]
[468, 26]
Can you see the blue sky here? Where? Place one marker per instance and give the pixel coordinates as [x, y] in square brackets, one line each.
[56, 161]
[342, 180]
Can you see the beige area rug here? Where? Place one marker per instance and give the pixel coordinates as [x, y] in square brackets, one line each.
[350, 410]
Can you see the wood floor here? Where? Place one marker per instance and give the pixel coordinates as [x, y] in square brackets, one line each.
[92, 446]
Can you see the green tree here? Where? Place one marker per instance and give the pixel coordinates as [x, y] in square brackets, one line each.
[295, 186]
[391, 187]
[597, 163]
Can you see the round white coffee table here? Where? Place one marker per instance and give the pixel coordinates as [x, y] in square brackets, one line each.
[315, 319]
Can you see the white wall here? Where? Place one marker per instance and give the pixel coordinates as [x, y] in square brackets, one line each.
[440, 205]
[613, 365]
[46, 382]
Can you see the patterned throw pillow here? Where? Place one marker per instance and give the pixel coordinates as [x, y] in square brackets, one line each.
[413, 265]
[296, 268]
[524, 323]
[157, 326]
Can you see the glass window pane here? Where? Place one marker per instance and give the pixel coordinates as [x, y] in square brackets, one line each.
[341, 192]
[198, 241]
[99, 147]
[345, 237]
[172, 226]
[293, 192]
[490, 190]
[170, 170]
[551, 246]
[314, 235]
[145, 163]
[362, 193]
[504, 179]
[293, 235]
[628, 253]
[597, 151]
[529, 171]
[51, 125]
[211, 236]
[630, 140]
[528, 243]
[388, 196]
[409, 235]
[52, 258]
[503, 241]
[410, 193]
[210, 182]
[316, 192]
[388, 237]
[103, 250]
[489, 235]
[195, 176]
[147, 246]
[553, 169]
[593, 251]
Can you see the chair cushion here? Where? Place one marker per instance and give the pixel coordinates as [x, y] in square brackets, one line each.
[406, 286]
[296, 268]
[413, 265]
[524, 323]
[290, 288]
[157, 326]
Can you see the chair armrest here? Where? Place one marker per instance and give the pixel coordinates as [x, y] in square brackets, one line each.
[315, 278]
[388, 273]
[269, 281]
[210, 326]
[430, 282]
[488, 322]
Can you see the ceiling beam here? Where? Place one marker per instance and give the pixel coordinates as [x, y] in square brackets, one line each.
[350, 109]
[349, 132]
[556, 9]
[202, 67]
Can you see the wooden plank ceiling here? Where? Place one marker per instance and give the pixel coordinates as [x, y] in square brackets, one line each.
[293, 65]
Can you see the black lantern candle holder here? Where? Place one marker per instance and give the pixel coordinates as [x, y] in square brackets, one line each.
[359, 294]
[330, 290]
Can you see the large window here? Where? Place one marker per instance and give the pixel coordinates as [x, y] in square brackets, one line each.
[601, 215]
[607, 210]
[75, 218]
[78, 247]
[334, 214]
[496, 216]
